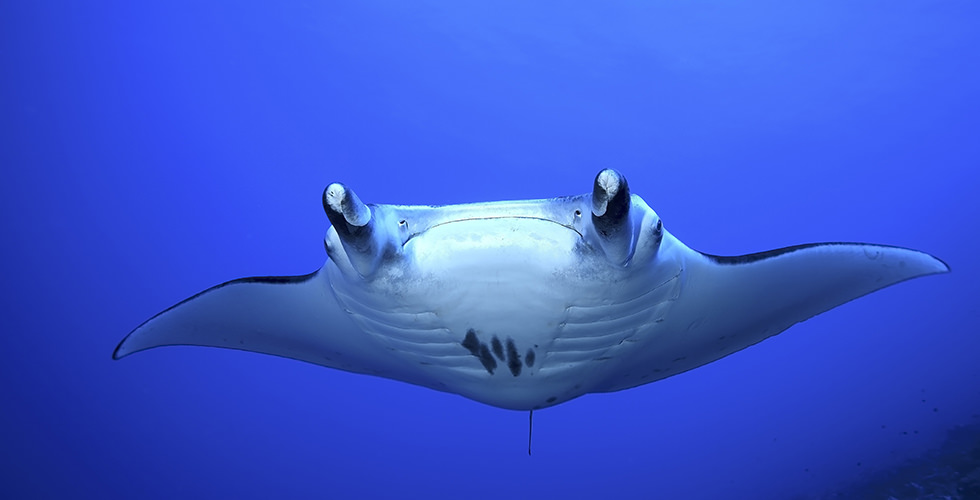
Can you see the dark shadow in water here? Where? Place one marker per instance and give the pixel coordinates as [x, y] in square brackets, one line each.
[951, 471]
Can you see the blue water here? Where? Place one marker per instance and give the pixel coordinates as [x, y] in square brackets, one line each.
[153, 149]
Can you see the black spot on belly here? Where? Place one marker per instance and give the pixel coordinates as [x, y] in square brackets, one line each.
[471, 343]
[480, 350]
[487, 359]
[551, 399]
[513, 359]
[498, 348]
[529, 358]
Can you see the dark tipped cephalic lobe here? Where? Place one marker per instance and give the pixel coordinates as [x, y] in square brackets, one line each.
[355, 227]
[343, 207]
[610, 215]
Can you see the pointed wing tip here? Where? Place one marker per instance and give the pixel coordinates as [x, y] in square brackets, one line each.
[173, 327]
[941, 265]
[905, 263]
[924, 264]
[125, 346]
[119, 352]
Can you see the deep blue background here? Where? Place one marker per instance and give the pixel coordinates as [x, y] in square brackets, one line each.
[153, 149]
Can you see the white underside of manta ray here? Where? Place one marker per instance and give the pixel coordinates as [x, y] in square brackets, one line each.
[524, 304]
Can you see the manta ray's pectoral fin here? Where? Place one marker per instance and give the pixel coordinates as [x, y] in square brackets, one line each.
[611, 219]
[364, 243]
[730, 303]
[295, 317]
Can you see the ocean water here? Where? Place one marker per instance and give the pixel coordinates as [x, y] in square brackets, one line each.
[153, 149]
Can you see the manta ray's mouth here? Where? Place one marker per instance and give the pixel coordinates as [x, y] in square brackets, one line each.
[473, 219]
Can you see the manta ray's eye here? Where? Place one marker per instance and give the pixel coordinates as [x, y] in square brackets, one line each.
[578, 213]
[403, 223]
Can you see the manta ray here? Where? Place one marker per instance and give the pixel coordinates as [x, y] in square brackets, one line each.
[524, 305]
